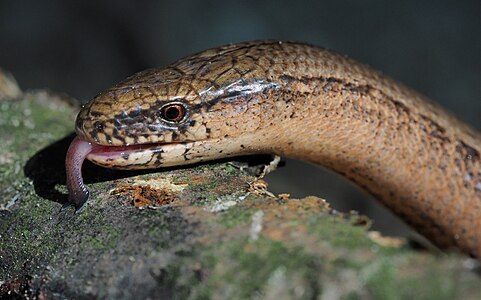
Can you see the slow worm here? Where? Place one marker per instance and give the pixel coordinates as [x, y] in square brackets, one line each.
[298, 101]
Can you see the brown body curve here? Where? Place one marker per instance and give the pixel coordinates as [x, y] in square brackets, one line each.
[308, 103]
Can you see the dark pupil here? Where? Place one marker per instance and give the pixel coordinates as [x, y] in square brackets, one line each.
[173, 113]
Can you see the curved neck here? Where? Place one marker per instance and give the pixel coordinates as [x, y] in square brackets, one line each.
[428, 175]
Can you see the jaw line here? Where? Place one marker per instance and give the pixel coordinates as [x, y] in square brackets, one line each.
[148, 156]
[142, 156]
[119, 151]
[155, 155]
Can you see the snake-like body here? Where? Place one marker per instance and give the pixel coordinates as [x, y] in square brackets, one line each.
[298, 101]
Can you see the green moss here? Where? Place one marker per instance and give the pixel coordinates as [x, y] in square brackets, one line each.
[385, 280]
[339, 232]
[29, 231]
[229, 169]
[35, 125]
[25, 128]
[233, 219]
[244, 270]
[354, 296]
[379, 277]
[208, 186]
[235, 216]
[205, 191]
[251, 270]
[109, 236]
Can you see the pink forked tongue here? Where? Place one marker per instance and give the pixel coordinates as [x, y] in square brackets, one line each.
[78, 193]
[79, 149]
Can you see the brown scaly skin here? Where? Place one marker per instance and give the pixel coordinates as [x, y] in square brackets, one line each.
[308, 103]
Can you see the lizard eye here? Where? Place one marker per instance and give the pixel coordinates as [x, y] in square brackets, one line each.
[174, 112]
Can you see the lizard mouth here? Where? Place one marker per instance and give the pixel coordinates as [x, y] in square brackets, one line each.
[118, 157]
[147, 156]
[142, 156]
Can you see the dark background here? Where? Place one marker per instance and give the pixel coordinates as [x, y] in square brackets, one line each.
[81, 48]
